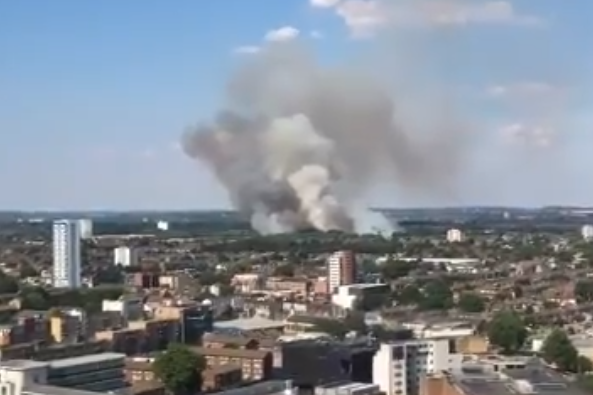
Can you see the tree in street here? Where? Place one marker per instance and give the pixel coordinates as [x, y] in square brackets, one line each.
[470, 302]
[507, 331]
[179, 369]
[559, 350]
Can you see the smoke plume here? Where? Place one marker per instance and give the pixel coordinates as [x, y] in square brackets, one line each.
[298, 145]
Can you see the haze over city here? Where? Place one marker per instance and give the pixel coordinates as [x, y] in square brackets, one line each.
[95, 97]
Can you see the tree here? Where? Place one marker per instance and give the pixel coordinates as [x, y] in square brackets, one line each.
[35, 298]
[8, 285]
[394, 269]
[584, 364]
[330, 326]
[410, 294]
[471, 303]
[558, 349]
[354, 321]
[26, 271]
[437, 296]
[284, 270]
[507, 331]
[584, 291]
[179, 369]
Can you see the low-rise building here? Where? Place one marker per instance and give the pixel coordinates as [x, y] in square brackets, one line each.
[97, 373]
[256, 365]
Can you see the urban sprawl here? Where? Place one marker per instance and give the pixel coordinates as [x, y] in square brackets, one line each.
[475, 301]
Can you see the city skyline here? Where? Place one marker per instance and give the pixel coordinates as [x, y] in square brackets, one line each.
[95, 96]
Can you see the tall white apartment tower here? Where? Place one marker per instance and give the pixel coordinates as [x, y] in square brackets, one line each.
[66, 254]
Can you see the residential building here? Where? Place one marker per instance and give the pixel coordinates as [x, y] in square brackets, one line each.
[455, 236]
[256, 365]
[66, 254]
[70, 325]
[195, 320]
[321, 361]
[125, 256]
[97, 373]
[587, 232]
[347, 297]
[348, 388]
[532, 377]
[140, 370]
[86, 228]
[341, 269]
[398, 367]
[128, 306]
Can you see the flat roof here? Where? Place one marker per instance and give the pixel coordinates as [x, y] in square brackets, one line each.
[535, 379]
[365, 285]
[86, 359]
[37, 389]
[265, 388]
[22, 364]
[248, 324]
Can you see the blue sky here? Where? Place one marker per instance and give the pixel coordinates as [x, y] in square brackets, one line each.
[95, 94]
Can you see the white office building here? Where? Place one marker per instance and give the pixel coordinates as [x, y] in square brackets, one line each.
[399, 367]
[66, 254]
[86, 228]
[125, 256]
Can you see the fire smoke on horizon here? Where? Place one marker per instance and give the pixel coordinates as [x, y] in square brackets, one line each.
[299, 145]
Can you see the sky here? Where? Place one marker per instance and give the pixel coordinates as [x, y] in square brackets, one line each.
[94, 96]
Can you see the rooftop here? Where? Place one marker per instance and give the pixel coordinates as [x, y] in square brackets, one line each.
[248, 324]
[36, 389]
[86, 359]
[22, 364]
[265, 388]
[535, 378]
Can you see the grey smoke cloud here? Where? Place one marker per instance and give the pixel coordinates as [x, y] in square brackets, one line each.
[299, 145]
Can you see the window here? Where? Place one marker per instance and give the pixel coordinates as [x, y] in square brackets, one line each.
[397, 353]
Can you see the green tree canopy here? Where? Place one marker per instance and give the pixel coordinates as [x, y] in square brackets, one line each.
[584, 291]
[410, 294]
[507, 331]
[471, 303]
[284, 270]
[179, 369]
[437, 296]
[558, 349]
[394, 269]
[584, 364]
[8, 284]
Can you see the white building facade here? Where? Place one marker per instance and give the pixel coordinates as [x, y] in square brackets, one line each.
[125, 256]
[399, 367]
[86, 228]
[455, 236]
[66, 254]
[587, 232]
